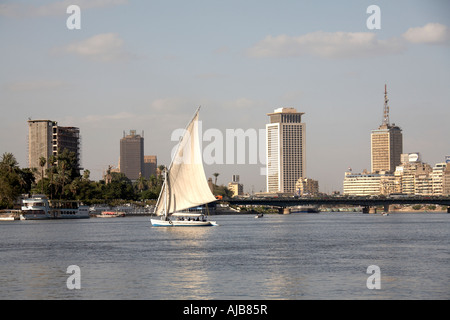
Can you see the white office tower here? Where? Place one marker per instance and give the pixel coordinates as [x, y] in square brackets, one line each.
[286, 156]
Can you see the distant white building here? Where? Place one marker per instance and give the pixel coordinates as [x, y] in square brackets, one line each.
[368, 184]
[437, 178]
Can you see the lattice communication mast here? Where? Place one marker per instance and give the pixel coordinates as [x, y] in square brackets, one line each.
[386, 108]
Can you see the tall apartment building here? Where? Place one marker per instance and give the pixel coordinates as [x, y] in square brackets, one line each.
[132, 155]
[386, 143]
[46, 138]
[286, 156]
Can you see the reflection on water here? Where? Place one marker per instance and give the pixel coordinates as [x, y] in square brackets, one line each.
[322, 256]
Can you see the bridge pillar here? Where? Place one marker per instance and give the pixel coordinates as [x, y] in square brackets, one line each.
[284, 210]
[448, 209]
[386, 208]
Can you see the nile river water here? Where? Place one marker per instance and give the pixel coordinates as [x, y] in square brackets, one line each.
[304, 256]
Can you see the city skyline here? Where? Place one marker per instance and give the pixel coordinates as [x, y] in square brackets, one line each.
[149, 65]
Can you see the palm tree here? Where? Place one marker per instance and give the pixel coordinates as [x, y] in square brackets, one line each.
[9, 162]
[141, 183]
[86, 175]
[75, 186]
[63, 176]
[160, 171]
[51, 173]
[13, 180]
[215, 175]
[42, 163]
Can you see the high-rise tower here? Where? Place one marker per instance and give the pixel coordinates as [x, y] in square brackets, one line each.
[386, 143]
[132, 155]
[286, 157]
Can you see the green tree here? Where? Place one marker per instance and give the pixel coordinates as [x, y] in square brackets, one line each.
[42, 163]
[119, 188]
[13, 180]
[9, 163]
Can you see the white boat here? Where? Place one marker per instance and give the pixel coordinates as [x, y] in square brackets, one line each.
[38, 207]
[9, 215]
[111, 214]
[185, 185]
[184, 219]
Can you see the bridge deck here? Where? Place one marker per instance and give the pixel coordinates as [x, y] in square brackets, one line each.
[365, 202]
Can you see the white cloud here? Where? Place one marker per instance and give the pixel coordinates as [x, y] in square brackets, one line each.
[325, 45]
[102, 47]
[431, 33]
[169, 104]
[18, 10]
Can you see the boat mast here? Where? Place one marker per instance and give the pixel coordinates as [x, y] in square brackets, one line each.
[168, 169]
[165, 193]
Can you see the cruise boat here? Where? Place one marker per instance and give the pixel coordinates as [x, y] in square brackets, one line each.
[38, 207]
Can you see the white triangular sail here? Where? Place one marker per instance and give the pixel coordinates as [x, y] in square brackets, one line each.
[185, 182]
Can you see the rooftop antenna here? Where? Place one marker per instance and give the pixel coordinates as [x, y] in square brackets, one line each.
[386, 108]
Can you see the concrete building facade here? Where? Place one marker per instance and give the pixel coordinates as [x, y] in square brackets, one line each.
[286, 146]
[386, 143]
[368, 184]
[46, 139]
[307, 187]
[235, 187]
[386, 148]
[132, 155]
[150, 166]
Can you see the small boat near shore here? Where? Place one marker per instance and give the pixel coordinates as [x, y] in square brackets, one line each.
[9, 215]
[110, 214]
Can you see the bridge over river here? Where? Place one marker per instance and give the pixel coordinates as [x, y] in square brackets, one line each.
[365, 202]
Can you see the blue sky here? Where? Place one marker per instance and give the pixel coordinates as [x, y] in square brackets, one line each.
[147, 65]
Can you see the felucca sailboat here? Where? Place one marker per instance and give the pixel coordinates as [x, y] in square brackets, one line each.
[185, 185]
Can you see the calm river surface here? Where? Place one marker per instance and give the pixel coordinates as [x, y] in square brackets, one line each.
[305, 256]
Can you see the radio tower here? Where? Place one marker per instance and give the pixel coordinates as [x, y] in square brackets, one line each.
[386, 121]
